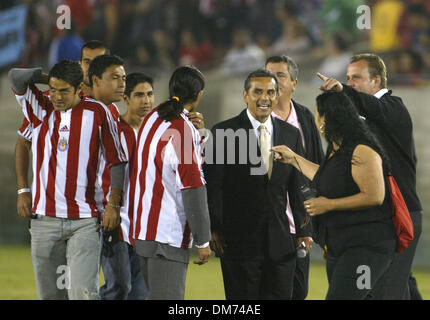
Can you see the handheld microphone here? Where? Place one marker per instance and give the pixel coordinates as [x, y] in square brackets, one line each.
[301, 251]
[308, 193]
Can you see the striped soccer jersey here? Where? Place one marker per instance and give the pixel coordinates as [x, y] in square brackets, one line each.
[167, 159]
[66, 148]
[103, 175]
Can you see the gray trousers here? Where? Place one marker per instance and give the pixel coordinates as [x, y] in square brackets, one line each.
[65, 254]
[164, 269]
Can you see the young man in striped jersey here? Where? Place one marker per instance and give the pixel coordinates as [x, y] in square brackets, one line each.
[89, 51]
[68, 134]
[123, 278]
[107, 81]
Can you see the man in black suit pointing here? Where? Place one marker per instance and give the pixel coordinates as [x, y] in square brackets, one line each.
[250, 228]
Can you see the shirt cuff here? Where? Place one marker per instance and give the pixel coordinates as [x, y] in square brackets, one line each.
[205, 245]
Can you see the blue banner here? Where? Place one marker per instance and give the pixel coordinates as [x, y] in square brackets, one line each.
[12, 34]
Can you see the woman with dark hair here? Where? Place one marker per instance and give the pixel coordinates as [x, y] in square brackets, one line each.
[170, 206]
[352, 211]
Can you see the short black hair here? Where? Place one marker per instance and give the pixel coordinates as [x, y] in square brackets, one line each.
[94, 44]
[99, 65]
[68, 71]
[293, 70]
[133, 79]
[260, 73]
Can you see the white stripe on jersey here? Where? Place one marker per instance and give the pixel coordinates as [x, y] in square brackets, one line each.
[84, 157]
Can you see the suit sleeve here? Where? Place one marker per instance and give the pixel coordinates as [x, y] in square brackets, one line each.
[214, 174]
[296, 198]
[376, 110]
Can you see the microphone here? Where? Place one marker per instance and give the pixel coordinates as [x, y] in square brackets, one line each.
[301, 251]
[308, 193]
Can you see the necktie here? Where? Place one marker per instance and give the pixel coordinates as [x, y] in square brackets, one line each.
[265, 149]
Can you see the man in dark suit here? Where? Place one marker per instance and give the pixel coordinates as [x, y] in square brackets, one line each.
[247, 197]
[288, 110]
[389, 119]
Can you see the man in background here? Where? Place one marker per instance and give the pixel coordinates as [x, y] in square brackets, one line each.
[288, 110]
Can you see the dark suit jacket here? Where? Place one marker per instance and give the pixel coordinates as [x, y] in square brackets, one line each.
[390, 121]
[313, 147]
[249, 210]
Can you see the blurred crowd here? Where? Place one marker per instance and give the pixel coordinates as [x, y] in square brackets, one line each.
[235, 36]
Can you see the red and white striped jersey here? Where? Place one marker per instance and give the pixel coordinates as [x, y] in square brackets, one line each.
[128, 137]
[103, 175]
[25, 129]
[66, 148]
[167, 160]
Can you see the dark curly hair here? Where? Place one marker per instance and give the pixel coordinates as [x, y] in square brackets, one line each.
[344, 126]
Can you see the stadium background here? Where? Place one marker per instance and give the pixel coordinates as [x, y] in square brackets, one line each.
[155, 36]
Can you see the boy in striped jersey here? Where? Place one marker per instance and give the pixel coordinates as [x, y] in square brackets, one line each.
[123, 279]
[68, 134]
[106, 76]
[89, 51]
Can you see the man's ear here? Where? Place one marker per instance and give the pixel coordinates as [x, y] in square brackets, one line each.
[126, 99]
[378, 81]
[95, 80]
[245, 96]
[295, 82]
[79, 88]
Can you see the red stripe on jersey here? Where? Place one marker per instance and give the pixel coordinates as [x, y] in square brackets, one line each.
[131, 147]
[157, 193]
[186, 237]
[142, 176]
[73, 163]
[52, 172]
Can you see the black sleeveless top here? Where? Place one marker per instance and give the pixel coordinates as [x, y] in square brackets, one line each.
[334, 180]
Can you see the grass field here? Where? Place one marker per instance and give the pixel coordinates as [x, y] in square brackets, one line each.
[203, 282]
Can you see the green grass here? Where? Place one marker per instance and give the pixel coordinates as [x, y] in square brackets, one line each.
[203, 282]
